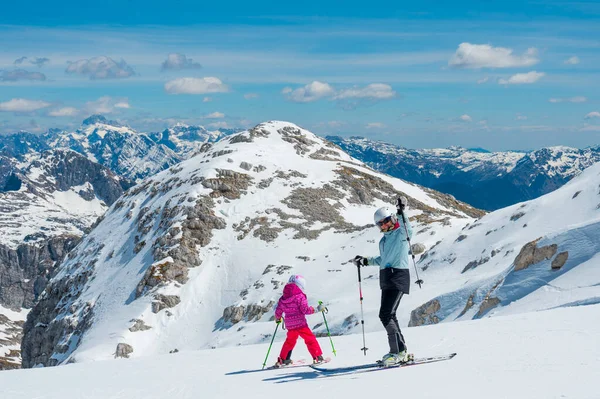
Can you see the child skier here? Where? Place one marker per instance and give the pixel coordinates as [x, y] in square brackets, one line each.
[294, 305]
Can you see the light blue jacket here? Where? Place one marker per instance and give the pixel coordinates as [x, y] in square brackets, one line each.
[393, 248]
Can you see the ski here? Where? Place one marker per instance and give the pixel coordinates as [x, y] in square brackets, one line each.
[378, 366]
[296, 363]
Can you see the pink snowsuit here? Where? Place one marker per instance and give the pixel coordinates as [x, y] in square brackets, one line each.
[294, 305]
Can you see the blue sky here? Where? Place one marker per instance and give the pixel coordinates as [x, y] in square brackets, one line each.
[498, 75]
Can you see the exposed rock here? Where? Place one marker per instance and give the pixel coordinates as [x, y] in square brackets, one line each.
[246, 166]
[560, 260]
[253, 312]
[530, 254]
[460, 238]
[24, 272]
[425, 314]
[468, 305]
[473, 264]
[164, 301]
[123, 350]
[517, 216]
[139, 325]
[487, 304]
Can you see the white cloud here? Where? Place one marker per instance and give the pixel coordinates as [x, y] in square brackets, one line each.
[590, 128]
[594, 114]
[38, 61]
[176, 61]
[485, 56]
[219, 125]
[21, 74]
[23, 105]
[378, 91]
[250, 96]
[65, 111]
[572, 61]
[195, 86]
[106, 105]
[577, 99]
[466, 118]
[522, 78]
[215, 115]
[206, 99]
[483, 80]
[520, 117]
[123, 104]
[101, 68]
[375, 125]
[311, 92]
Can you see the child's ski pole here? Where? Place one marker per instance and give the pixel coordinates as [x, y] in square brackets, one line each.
[327, 326]
[271, 344]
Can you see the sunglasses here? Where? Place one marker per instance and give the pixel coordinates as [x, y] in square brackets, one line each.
[384, 221]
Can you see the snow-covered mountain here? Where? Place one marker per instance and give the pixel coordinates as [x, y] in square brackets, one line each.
[193, 256]
[47, 201]
[483, 179]
[127, 153]
[186, 141]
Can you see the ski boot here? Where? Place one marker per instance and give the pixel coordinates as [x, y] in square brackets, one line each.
[282, 362]
[392, 359]
[318, 360]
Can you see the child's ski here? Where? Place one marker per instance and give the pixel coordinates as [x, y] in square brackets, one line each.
[295, 363]
[378, 366]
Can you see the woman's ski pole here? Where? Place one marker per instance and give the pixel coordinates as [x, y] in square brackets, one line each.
[400, 208]
[327, 326]
[362, 314]
[271, 344]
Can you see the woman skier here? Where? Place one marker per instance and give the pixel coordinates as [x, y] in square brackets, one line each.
[394, 275]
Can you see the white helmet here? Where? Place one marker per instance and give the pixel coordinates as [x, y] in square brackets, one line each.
[384, 213]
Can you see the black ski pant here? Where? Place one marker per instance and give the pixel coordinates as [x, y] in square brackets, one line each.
[390, 299]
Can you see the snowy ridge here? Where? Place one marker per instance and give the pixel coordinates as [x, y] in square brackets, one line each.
[187, 140]
[199, 252]
[536, 255]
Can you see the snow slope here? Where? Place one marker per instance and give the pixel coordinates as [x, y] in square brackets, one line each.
[513, 357]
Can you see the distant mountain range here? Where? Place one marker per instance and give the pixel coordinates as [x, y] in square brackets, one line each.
[486, 180]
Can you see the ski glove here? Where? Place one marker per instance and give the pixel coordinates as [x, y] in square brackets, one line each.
[360, 261]
[321, 307]
[401, 203]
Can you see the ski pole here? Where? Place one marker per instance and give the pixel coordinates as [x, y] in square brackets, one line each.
[362, 314]
[271, 344]
[400, 207]
[326, 326]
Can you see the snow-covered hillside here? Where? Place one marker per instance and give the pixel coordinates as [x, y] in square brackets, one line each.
[53, 193]
[194, 256]
[542, 355]
[531, 256]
